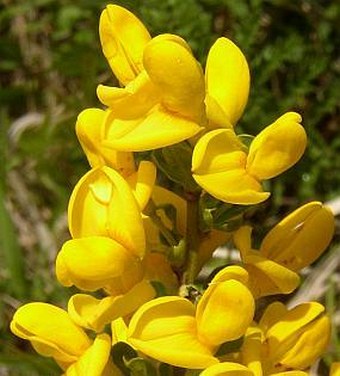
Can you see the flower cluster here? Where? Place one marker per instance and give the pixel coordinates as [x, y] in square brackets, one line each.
[137, 246]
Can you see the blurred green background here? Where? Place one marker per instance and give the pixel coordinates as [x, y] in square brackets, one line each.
[50, 65]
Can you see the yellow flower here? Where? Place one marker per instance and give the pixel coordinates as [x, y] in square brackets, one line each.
[295, 242]
[227, 84]
[162, 102]
[52, 333]
[223, 167]
[227, 369]
[102, 204]
[169, 329]
[286, 339]
[89, 129]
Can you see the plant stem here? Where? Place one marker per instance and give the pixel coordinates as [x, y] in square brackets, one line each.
[192, 239]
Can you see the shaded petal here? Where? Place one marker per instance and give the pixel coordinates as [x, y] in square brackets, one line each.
[299, 325]
[231, 272]
[335, 369]
[51, 331]
[290, 373]
[142, 182]
[133, 101]
[92, 313]
[301, 237]
[267, 277]
[309, 345]
[95, 360]
[158, 129]
[123, 38]
[173, 69]
[218, 312]
[219, 150]
[278, 147]
[251, 351]
[227, 79]
[165, 329]
[96, 262]
[227, 369]
[234, 187]
[242, 240]
[103, 204]
[272, 315]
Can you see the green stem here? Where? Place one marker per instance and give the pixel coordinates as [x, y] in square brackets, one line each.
[192, 239]
[151, 212]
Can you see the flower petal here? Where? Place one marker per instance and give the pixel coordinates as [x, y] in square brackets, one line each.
[94, 262]
[278, 147]
[142, 182]
[267, 277]
[92, 313]
[133, 101]
[219, 150]
[218, 316]
[158, 129]
[227, 79]
[123, 38]
[173, 69]
[227, 369]
[165, 329]
[234, 187]
[301, 237]
[51, 331]
[94, 360]
[103, 204]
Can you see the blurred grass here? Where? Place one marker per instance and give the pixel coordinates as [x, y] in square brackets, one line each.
[50, 66]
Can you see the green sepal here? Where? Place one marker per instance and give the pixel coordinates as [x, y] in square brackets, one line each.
[141, 367]
[121, 353]
[175, 162]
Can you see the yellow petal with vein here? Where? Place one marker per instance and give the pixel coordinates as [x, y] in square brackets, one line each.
[301, 237]
[123, 38]
[227, 79]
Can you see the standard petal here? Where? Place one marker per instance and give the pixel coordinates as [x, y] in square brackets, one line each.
[158, 129]
[94, 262]
[227, 369]
[123, 38]
[173, 69]
[51, 331]
[165, 329]
[277, 148]
[301, 237]
[272, 315]
[218, 316]
[227, 80]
